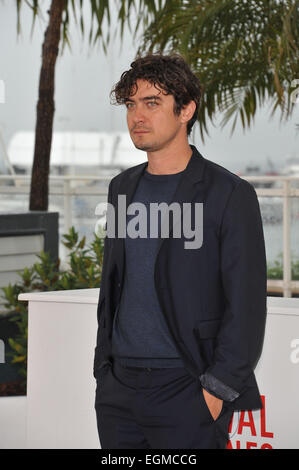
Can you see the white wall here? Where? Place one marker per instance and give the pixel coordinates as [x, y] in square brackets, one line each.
[13, 422]
[59, 409]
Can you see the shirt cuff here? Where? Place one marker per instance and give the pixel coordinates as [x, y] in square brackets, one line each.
[217, 388]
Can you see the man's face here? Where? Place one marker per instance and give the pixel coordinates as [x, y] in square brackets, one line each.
[151, 120]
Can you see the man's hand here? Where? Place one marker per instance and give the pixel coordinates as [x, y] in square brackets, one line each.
[214, 404]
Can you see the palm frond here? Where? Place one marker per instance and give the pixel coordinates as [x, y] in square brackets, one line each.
[243, 52]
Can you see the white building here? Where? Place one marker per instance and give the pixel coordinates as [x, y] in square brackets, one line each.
[78, 153]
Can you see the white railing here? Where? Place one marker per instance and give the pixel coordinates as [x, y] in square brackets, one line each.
[63, 187]
[285, 192]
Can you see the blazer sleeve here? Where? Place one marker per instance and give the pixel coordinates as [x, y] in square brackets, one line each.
[106, 254]
[106, 250]
[244, 281]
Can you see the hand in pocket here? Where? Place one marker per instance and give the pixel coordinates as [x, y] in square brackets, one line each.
[213, 403]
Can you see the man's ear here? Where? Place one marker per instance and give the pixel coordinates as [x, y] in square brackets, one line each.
[187, 111]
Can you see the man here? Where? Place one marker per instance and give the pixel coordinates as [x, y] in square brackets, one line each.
[180, 326]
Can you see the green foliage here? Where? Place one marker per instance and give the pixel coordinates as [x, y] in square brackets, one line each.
[275, 269]
[98, 18]
[84, 271]
[245, 53]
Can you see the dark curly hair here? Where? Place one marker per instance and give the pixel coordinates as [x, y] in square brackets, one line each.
[170, 73]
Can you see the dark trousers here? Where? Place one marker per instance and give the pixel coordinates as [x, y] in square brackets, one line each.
[144, 408]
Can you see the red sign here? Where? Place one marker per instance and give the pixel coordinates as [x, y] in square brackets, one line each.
[247, 426]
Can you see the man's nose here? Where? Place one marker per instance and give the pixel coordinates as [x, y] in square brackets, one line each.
[138, 115]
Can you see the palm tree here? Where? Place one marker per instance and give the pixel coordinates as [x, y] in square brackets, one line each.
[244, 52]
[58, 23]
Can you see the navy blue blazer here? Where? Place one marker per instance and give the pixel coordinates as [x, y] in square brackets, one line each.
[213, 297]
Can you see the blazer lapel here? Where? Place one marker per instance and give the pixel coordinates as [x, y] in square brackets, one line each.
[186, 189]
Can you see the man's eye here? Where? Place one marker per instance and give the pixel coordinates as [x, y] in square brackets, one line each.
[152, 103]
[129, 105]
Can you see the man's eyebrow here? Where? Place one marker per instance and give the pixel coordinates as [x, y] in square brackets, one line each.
[153, 97]
[146, 98]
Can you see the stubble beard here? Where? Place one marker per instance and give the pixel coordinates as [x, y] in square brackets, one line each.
[146, 147]
[152, 146]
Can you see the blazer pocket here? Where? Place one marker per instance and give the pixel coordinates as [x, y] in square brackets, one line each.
[206, 333]
[208, 328]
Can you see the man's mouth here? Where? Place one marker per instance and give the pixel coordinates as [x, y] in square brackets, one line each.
[140, 131]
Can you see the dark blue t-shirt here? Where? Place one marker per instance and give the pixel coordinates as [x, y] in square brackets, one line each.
[141, 336]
